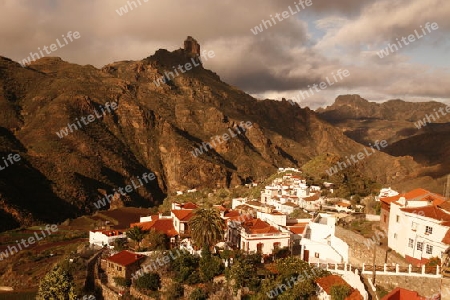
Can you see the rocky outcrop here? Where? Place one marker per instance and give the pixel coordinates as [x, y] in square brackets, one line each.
[191, 47]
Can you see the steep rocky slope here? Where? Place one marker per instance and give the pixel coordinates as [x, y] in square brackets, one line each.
[153, 129]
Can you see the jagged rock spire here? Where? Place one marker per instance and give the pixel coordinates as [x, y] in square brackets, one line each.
[191, 47]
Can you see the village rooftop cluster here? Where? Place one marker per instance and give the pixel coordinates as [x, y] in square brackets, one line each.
[264, 226]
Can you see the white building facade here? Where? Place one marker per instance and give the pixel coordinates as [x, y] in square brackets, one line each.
[418, 233]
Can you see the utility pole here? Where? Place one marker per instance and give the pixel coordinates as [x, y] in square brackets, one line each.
[374, 265]
[447, 187]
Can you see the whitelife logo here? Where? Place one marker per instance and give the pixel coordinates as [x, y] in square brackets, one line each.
[53, 47]
[128, 189]
[221, 139]
[31, 240]
[341, 74]
[360, 156]
[124, 9]
[12, 158]
[422, 123]
[86, 120]
[411, 38]
[188, 66]
[285, 14]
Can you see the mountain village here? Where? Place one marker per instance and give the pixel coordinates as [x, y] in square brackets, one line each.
[292, 218]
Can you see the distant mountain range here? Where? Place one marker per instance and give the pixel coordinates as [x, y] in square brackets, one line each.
[417, 129]
[153, 129]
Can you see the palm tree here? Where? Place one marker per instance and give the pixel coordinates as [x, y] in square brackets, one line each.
[207, 227]
[136, 234]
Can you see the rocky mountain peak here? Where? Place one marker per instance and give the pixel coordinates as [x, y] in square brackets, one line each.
[191, 47]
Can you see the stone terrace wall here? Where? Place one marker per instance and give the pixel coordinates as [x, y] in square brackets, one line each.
[425, 287]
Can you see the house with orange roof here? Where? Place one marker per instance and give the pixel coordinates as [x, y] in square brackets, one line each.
[159, 223]
[181, 219]
[255, 236]
[415, 198]
[325, 285]
[419, 227]
[312, 202]
[123, 264]
[106, 238]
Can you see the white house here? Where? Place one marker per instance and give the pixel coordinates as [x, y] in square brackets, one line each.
[256, 236]
[312, 202]
[386, 192]
[319, 243]
[105, 237]
[418, 233]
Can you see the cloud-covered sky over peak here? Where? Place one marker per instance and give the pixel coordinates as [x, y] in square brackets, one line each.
[301, 50]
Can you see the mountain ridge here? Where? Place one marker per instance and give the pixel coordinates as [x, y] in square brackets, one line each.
[154, 129]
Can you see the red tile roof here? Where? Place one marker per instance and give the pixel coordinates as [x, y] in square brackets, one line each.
[424, 195]
[417, 195]
[415, 261]
[190, 205]
[314, 197]
[297, 229]
[402, 294]
[388, 200]
[343, 204]
[256, 226]
[125, 258]
[446, 239]
[160, 225]
[429, 211]
[327, 282]
[183, 214]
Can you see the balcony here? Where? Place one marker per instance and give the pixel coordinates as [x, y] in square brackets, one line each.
[265, 235]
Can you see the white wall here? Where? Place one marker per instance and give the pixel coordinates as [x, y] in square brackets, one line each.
[355, 282]
[272, 219]
[326, 253]
[100, 239]
[400, 232]
[250, 244]
[340, 246]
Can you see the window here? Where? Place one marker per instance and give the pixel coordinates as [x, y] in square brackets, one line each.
[429, 249]
[119, 269]
[414, 226]
[428, 230]
[259, 247]
[276, 246]
[395, 235]
[420, 246]
[397, 218]
[411, 243]
[316, 255]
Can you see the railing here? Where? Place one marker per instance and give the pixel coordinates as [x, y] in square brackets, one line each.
[385, 269]
[283, 234]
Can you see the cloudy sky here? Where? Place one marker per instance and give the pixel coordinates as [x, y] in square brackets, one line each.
[308, 45]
